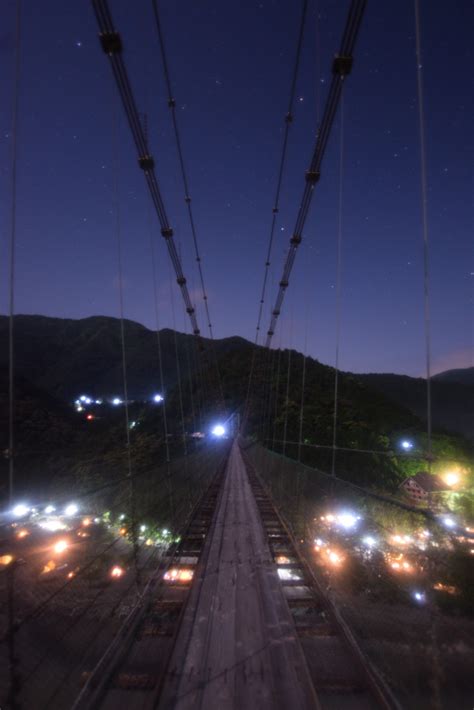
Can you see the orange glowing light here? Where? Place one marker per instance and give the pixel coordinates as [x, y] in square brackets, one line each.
[22, 533]
[123, 531]
[179, 575]
[49, 567]
[71, 575]
[445, 588]
[116, 572]
[399, 563]
[333, 557]
[282, 560]
[6, 560]
[86, 522]
[60, 547]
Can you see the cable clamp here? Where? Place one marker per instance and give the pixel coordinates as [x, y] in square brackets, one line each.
[167, 232]
[342, 65]
[146, 162]
[312, 176]
[111, 42]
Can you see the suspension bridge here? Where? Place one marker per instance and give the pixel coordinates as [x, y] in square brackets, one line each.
[191, 581]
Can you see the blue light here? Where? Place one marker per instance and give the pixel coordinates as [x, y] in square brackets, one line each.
[218, 430]
[420, 597]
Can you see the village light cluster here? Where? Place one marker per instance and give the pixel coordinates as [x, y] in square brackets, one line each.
[397, 551]
[346, 520]
[84, 401]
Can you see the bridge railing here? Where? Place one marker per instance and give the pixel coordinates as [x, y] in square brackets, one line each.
[398, 574]
[69, 605]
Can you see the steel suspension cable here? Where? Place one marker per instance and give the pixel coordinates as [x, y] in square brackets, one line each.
[276, 200]
[338, 291]
[160, 364]
[118, 237]
[13, 679]
[187, 196]
[178, 372]
[288, 377]
[112, 45]
[341, 68]
[184, 176]
[437, 703]
[424, 210]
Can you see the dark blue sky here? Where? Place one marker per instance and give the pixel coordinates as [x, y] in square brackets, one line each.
[230, 65]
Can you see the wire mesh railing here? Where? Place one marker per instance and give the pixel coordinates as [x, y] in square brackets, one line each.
[401, 575]
[76, 574]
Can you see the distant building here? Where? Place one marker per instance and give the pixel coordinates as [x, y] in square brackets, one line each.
[424, 484]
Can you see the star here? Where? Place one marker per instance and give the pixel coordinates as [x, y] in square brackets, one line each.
[78, 44]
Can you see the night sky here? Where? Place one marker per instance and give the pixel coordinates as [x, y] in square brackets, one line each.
[231, 64]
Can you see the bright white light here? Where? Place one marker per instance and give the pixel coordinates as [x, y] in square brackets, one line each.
[116, 401]
[406, 445]
[20, 510]
[122, 516]
[133, 424]
[142, 528]
[71, 509]
[451, 478]
[347, 520]
[419, 596]
[449, 522]
[60, 546]
[218, 430]
[369, 541]
[83, 398]
[88, 400]
[49, 509]
[52, 525]
[80, 409]
[288, 574]
[98, 401]
[157, 398]
[165, 532]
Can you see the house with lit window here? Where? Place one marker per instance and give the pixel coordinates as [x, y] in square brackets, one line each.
[423, 486]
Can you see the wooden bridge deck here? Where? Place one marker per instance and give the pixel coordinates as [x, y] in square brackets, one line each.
[237, 645]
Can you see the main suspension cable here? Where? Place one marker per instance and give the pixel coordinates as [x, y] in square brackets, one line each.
[276, 202]
[112, 45]
[341, 68]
